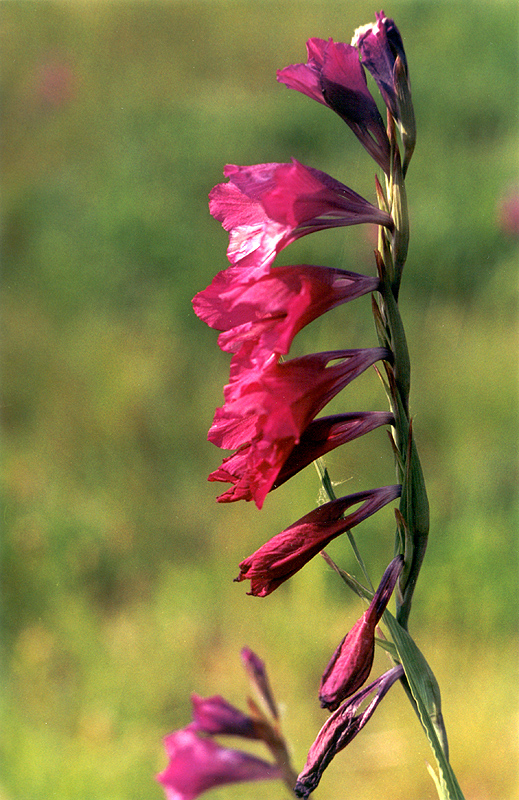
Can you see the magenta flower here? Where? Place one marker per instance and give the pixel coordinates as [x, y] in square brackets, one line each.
[265, 207]
[215, 716]
[269, 311]
[334, 76]
[320, 437]
[341, 728]
[197, 764]
[288, 551]
[267, 408]
[351, 663]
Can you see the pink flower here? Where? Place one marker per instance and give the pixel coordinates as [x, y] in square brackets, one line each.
[267, 408]
[288, 551]
[341, 728]
[270, 310]
[351, 663]
[334, 76]
[215, 716]
[265, 207]
[320, 437]
[197, 764]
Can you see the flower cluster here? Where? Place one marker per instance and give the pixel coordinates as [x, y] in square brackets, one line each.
[269, 418]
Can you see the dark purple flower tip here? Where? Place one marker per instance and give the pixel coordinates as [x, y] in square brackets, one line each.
[380, 45]
[382, 52]
[215, 716]
[341, 728]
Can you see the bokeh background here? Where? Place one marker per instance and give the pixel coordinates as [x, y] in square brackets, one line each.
[117, 598]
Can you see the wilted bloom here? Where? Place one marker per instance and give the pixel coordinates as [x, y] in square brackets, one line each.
[382, 52]
[267, 408]
[265, 207]
[334, 76]
[197, 764]
[339, 730]
[351, 663]
[270, 310]
[215, 716]
[288, 551]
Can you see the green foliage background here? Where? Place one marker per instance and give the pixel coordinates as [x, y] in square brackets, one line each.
[117, 597]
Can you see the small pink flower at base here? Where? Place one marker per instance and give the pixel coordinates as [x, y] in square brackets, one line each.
[269, 311]
[288, 551]
[341, 728]
[334, 76]
[351, 663]
[215, 716]
[265, 207]
[267, 408]
[197, 764]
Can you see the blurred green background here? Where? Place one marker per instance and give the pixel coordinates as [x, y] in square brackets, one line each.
[117, 598]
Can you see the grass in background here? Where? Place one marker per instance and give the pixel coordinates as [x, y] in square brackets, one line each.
[118, 599]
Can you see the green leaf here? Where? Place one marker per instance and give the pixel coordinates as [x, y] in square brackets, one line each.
[426, 695]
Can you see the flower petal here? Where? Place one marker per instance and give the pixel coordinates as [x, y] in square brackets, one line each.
[267, 408]
[197, 764]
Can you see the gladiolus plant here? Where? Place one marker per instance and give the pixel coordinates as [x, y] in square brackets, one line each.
[271, 419]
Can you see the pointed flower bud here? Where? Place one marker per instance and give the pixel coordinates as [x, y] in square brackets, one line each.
[197, 764]
[258, 677]
[334, 76]
[265, 207]
[351, 663]
[288, 551]
[341, 728]
[267, 408]
[382, 52]
[270, 310]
